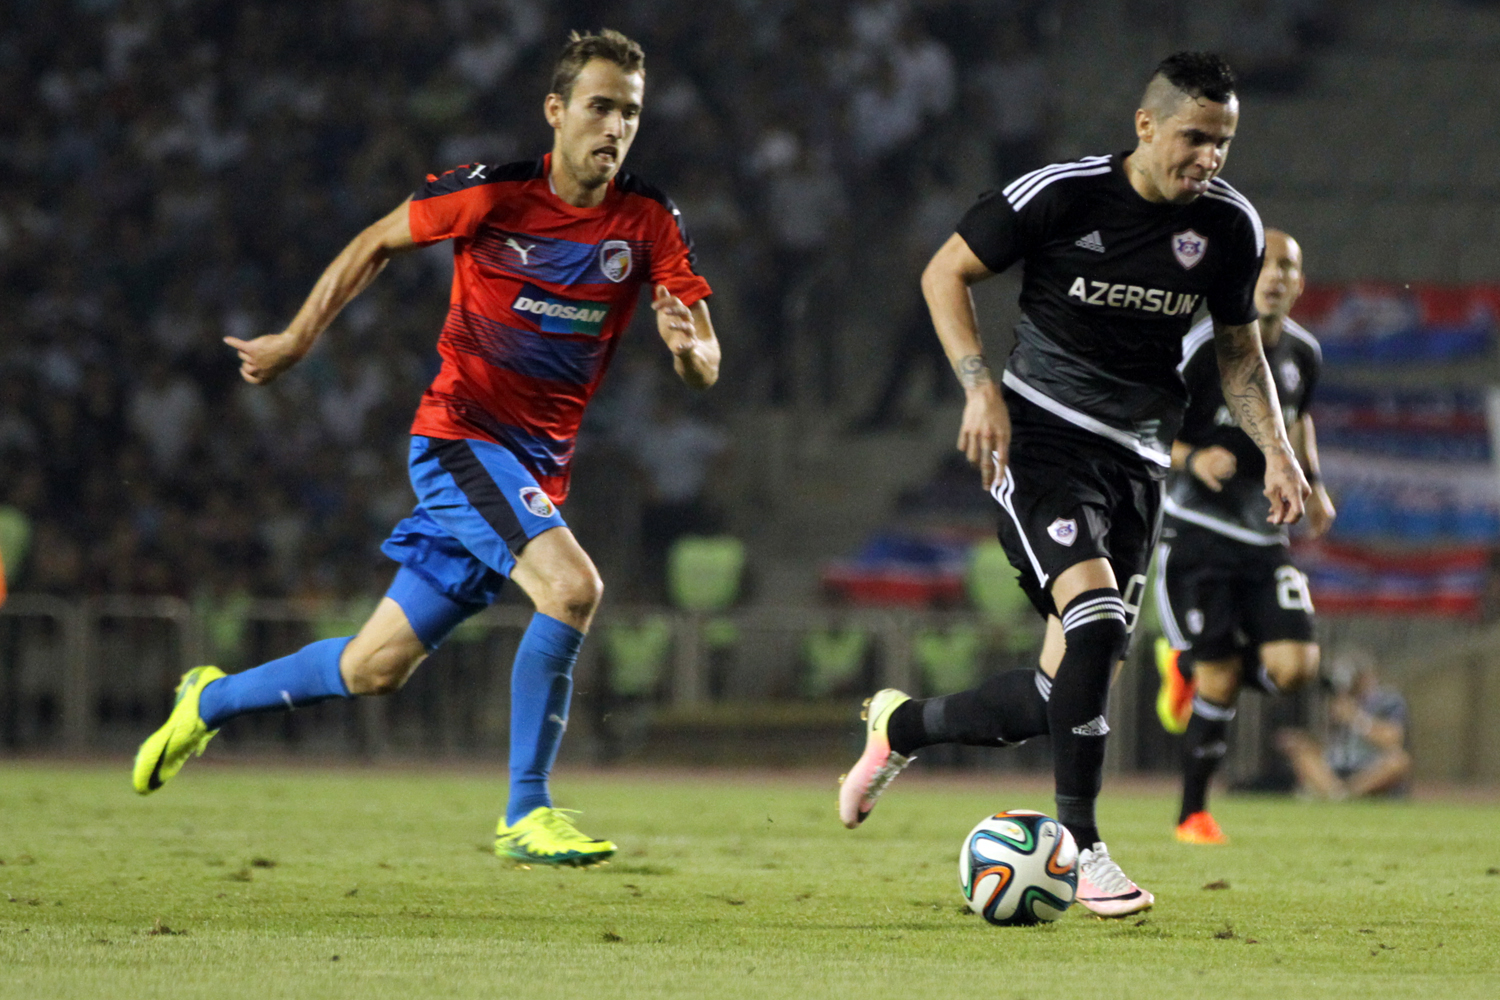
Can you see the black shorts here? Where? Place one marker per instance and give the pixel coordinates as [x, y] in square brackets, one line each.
[1066, 497]
[1218, 596]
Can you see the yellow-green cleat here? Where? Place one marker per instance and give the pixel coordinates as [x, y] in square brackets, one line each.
[1174, 696]
[546, 836]
[180, 737]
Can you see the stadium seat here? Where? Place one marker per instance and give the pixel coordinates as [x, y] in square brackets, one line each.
[15, 542]
[637, 655]
[992, 588]
[704, 575]
[949, 660]
[833, 658]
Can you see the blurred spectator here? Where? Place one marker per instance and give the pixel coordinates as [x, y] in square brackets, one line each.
[1366, 749]
[164, 412]
[174, 173]
[1011, 92]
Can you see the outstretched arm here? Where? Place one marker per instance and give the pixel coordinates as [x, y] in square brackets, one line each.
[689, 334]
[984, 433]
[1251, 395]
[264, 358]
[1320, 512]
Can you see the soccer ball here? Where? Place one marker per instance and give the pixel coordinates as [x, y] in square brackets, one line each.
[1018, 868]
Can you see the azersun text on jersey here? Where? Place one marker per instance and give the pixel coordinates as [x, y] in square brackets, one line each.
[1110, 286]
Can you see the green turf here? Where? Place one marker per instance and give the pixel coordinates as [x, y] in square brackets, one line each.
[240, 882]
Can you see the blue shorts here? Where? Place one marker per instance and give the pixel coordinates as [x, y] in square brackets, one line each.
[477, 507]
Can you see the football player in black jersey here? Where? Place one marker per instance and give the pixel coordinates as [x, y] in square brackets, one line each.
[1235, 611]
[1119, 252]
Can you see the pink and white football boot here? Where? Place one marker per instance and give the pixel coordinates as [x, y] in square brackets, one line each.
[878, 765]
[1105, 890]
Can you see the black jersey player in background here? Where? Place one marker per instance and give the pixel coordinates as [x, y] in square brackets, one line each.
[1235, 611]
[1119, 253]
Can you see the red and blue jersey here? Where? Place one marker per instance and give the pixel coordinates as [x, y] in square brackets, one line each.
[542, 291]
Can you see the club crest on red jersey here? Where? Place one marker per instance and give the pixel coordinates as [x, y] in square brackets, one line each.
[1188, 247]
[614, 259]
[537, 502]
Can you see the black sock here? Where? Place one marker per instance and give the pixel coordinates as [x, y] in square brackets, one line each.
[1203, 752]
[1005, 709]
[1094, 629]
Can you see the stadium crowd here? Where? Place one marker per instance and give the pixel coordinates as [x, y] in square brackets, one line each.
[174, 172]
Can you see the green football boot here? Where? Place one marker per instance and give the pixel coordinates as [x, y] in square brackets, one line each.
[180, 737]
[545, 836]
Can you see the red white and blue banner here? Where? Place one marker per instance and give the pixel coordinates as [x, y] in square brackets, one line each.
[1410, 466]
[1353, 580]
[1369, 323]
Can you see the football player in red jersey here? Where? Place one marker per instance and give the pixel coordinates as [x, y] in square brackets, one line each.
[550, 257]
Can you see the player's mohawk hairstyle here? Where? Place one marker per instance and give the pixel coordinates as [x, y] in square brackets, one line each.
[1198, 74]
[583, 47]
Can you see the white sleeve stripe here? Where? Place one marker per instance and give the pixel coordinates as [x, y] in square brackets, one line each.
[1020, 203]
[1300, 332]
[1014, 187]
[1219, 191]
[1199, 335]
[1233, 197]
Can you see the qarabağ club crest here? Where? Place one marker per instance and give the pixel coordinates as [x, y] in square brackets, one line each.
[1188, 247]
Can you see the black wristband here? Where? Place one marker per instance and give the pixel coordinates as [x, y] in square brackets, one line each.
[1314, 478]
[1187, 461]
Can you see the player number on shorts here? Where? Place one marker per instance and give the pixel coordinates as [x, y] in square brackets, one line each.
[1291, 589]
[1135, 587]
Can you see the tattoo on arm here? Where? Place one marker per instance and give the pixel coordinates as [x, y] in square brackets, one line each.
[1248, 389]
[973, 371]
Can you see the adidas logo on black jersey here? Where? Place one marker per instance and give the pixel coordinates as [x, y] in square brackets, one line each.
[1093, 241]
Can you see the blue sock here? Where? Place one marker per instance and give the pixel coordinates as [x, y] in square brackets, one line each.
[541, 685]
[307, 677]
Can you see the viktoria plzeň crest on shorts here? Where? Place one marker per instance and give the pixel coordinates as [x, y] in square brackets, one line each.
[1188, 247]
[614, 259]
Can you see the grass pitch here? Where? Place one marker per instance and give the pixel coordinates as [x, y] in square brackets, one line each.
[239, 882]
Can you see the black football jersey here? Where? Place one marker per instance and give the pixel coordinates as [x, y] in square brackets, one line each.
[1239, 510]
[1110, 287]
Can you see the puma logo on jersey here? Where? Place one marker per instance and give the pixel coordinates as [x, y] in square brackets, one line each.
[518, 248]
[1121, 296]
